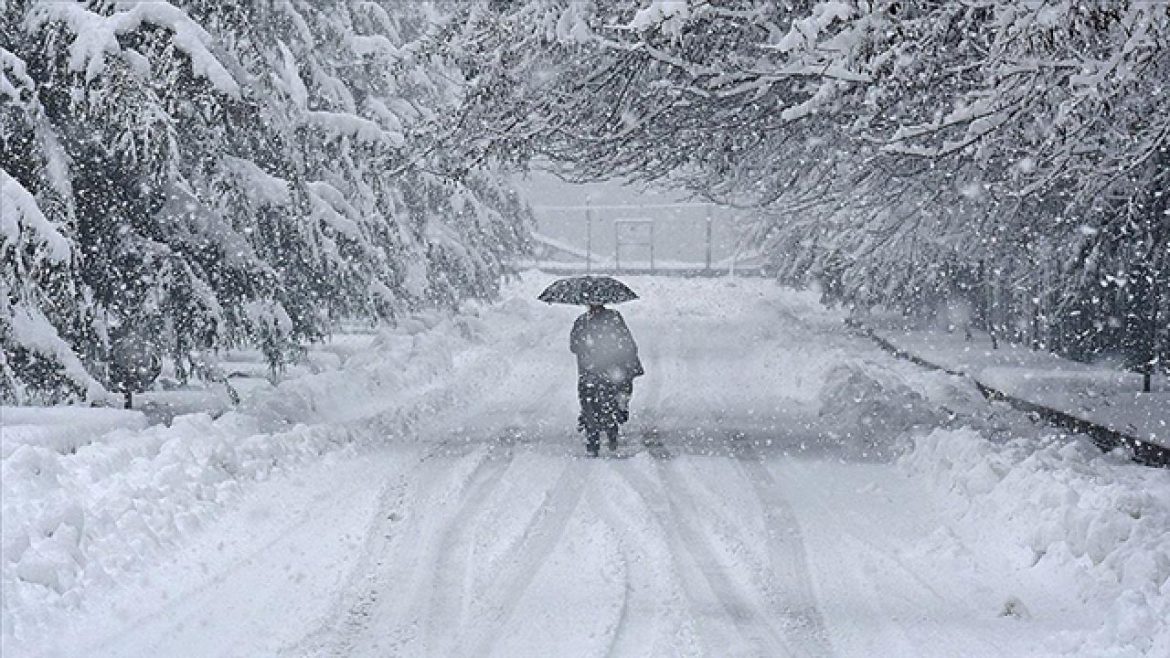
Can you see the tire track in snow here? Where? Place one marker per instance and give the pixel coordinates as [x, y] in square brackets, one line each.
[385, 556]
[398, 550]
[783, 582]
[709, 589]
[652, 609]
[881, 588]
[751, 599]
[407, 619]
[351, 610]
[450, 574]
[368, 581]
[621, 628]
[789, 592]
[544, 531]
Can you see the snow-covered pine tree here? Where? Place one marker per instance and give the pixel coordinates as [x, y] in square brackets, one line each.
[227, 173]
[43, 310]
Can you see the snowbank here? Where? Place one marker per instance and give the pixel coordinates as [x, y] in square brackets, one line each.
[90, 496]
[1067, 517]
[61, 429]
[868, 410]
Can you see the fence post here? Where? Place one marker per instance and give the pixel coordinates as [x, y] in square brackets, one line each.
[652, 223]
[617, 245]
[987, 292]
[588, 234]
[1035, 341]
[708, 259]
[1152, 327]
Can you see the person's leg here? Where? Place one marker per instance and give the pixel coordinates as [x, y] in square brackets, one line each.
[588, 393]
[593, 442]
[625, 392]
[609, 407]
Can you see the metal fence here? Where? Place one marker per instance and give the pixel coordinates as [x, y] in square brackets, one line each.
[676, 238]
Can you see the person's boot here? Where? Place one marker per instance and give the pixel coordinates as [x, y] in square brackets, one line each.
[592, 444]
[622, 408]
[613, 439]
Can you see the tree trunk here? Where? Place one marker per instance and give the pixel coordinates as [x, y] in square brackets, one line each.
[1036, 322]
[1153, 326]
[1155, 268]
[992, 303]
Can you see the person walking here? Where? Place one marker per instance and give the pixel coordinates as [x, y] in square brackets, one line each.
[607, 356]
[607, 363]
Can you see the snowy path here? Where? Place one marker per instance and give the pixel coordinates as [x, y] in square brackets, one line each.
[723, 526]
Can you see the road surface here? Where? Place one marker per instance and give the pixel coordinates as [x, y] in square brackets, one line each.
[753, 509]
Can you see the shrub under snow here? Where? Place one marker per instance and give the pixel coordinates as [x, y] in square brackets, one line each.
[1063, 510]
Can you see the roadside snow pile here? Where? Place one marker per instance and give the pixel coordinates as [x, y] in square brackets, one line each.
[1064, 515]
[93, 508]
[61, 429]
[400, 359]
[868, 409]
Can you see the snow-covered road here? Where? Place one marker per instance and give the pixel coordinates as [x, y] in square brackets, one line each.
[757, 507]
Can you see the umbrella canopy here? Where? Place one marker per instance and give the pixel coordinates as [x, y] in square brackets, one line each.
[586, 290]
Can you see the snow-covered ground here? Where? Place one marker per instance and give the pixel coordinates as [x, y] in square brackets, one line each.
[1103, 394]
[784, 488]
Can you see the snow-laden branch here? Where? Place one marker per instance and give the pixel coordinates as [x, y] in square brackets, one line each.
[95, 37]
[22, 223]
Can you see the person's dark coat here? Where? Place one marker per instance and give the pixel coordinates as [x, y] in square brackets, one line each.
[607, 363]
[605, 347]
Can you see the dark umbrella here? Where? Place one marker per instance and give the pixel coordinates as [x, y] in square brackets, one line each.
[586, 290]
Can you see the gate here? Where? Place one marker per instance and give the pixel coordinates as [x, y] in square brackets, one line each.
[632, 235]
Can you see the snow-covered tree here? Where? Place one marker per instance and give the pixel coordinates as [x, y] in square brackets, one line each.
[225, 173]
[42, 308]
[902, 152]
